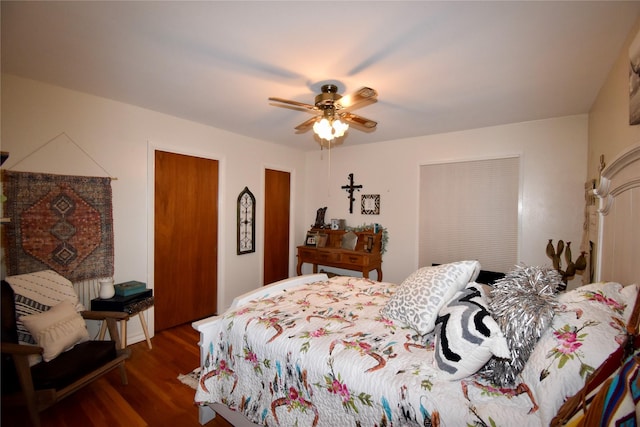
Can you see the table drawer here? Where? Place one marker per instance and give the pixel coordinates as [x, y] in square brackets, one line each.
[327, 257]
[355, 259]
[308, 255]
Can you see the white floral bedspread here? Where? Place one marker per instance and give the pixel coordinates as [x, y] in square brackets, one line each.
[321, 355]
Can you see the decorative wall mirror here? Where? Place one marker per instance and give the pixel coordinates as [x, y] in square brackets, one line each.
[246, 222]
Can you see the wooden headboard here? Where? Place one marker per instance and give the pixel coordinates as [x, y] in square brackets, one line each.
[618, 245]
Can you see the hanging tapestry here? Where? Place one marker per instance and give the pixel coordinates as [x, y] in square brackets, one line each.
[60, 223]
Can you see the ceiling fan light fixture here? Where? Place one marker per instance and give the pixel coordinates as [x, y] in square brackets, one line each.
[333, 112]
[339, 128]
[330, 129]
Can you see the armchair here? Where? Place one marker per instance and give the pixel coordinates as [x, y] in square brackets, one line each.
[40, 385]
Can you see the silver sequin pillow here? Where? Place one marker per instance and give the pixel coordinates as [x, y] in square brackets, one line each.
[524, 304]
[420, 297]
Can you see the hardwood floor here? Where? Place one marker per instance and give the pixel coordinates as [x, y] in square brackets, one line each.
[153, 397]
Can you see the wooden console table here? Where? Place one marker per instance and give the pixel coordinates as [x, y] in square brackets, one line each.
[365, 257]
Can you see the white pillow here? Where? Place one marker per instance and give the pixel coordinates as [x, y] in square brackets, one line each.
[37, 292]
[420, 297]
[466, 336]
[57, 330]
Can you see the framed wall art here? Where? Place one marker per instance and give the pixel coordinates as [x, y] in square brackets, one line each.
[370, 204]
[634, 81]
[246, 222]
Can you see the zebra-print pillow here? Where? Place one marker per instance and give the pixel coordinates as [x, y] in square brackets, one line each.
[466, 336]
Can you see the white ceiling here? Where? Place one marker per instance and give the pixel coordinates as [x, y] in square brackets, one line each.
[437, 66]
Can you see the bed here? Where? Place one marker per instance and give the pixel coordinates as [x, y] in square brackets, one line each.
[319, 351]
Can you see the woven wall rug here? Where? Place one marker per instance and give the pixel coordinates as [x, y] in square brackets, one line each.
[58, 222]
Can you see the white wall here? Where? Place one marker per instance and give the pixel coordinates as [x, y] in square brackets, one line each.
[553, 166]
[609, 129]
[120, 138]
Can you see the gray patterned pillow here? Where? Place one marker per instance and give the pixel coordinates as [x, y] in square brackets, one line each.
[419, 298]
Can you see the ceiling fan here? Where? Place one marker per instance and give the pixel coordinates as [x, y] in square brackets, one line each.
[333, 111]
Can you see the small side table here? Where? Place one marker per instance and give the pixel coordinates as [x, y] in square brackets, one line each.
[137, 307]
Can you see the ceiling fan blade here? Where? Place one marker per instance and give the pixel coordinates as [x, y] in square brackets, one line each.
[360, 98]
[306, 125]
[360, 122]
[290, 102]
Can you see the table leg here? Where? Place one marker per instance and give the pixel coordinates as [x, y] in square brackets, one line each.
[123, 333]
[103, 330]
[144, 328]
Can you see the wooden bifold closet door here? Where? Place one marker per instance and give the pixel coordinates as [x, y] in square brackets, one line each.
[276, 225]
[186, 239]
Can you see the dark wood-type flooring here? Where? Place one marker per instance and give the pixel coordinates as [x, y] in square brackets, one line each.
[153, 397]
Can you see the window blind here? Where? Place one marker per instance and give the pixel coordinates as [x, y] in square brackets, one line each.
[469, 210]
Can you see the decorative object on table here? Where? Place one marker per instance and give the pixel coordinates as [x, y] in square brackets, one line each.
[368, 244]
[312, 239]
[338, 224]
[320, 213]
[107, 290]
[370, 204]
[572, 268]
[246, 222]
[350, 188]
[59, 222]
[376, 228]
[131, 287]
[349, 240]
[321, 240]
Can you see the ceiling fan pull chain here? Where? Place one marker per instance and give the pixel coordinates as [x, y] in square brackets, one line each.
[329, 174]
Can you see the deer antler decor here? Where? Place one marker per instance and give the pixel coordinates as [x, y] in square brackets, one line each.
[572, 268]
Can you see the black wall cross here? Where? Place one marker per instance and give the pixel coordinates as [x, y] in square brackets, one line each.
[350, 189]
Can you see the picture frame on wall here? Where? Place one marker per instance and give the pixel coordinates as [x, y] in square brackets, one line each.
[370, 204]
[634, 81]
[246, 225]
